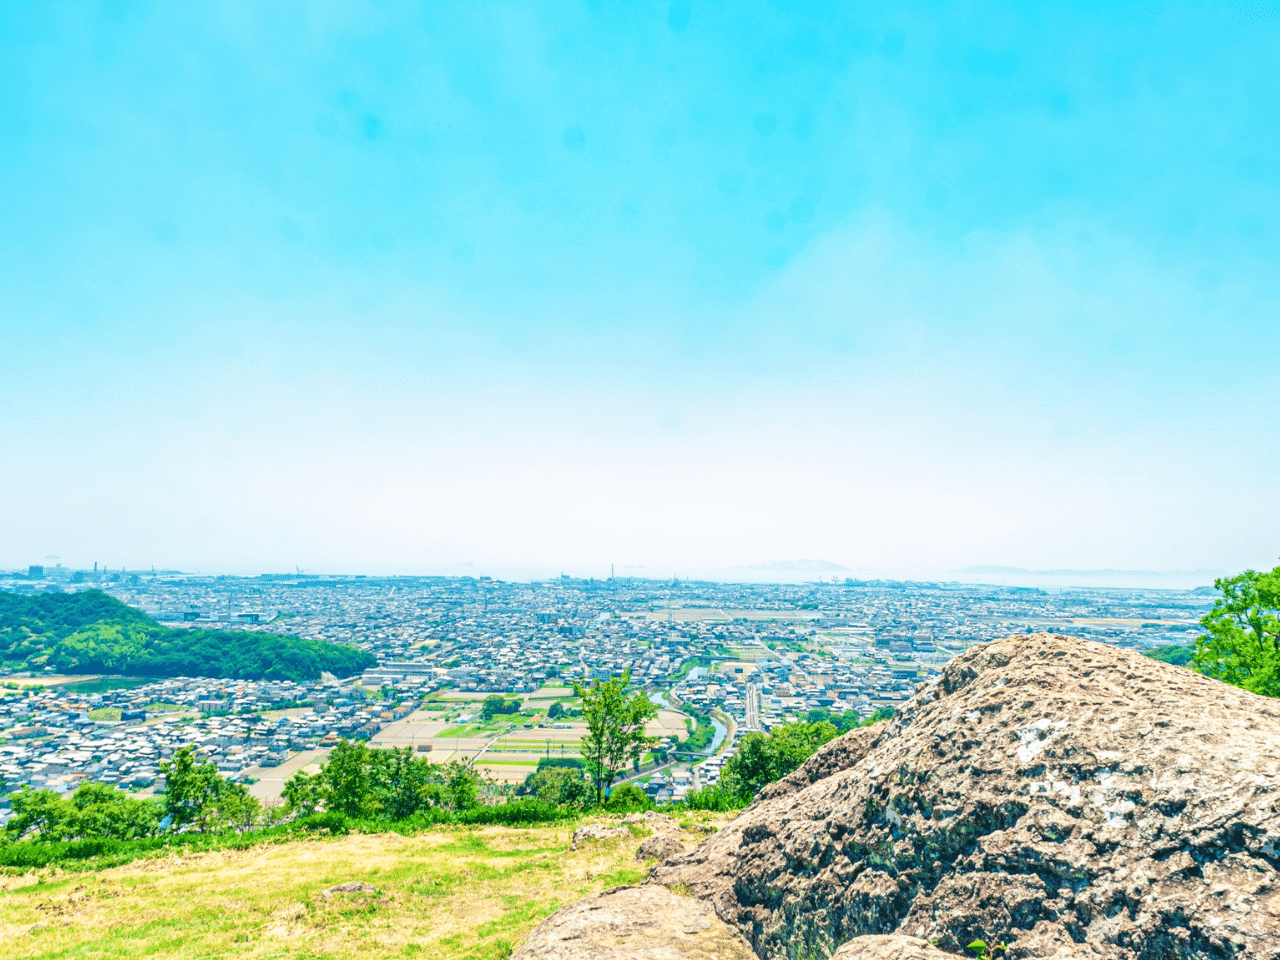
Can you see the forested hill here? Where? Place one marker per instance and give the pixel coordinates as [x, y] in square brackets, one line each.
[91, 632]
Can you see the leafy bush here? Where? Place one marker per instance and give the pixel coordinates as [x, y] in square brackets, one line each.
[95, 853]
[627, 798]
[716, 799]
[763, 758]
[1176, 655]
[557, 785]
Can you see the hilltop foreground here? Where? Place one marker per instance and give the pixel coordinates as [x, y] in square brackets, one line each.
[1064, 797]
[447, 893]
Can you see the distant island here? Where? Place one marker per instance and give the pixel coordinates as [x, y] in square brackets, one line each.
[91, 632]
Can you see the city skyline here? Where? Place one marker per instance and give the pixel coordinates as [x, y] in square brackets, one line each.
[53, 572]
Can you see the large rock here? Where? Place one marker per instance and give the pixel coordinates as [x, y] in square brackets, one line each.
[661, 846]
[638, 923]
[1067, 797]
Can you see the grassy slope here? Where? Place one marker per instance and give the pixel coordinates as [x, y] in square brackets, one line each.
[450, 893]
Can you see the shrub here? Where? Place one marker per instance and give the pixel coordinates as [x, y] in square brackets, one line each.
[716, 798]
[763, 758]
[628, 798]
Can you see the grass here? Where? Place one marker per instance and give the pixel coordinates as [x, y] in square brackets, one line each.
[106, 713]
[449, 893]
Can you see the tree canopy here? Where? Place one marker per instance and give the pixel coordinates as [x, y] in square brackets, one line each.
[91, 632]
[196, 795]
[363, 782]
[95, 810]
[1242, 642]
[496, 704]
[763, 758]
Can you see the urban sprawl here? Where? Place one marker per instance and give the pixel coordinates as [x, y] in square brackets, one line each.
[739, 657]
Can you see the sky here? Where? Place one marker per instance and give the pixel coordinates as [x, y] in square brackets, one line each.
[743, 290]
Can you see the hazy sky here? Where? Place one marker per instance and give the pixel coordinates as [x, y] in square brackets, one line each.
[683, 287]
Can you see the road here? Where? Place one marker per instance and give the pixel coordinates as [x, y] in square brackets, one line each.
[753, 707]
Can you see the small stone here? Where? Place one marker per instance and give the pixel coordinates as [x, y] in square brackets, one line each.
[351, 886]
[597, 832]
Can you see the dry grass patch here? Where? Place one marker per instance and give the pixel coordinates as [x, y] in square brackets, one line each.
[450, 893]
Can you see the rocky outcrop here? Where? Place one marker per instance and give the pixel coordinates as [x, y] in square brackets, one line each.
[661, 846]
[1064, 796]
[638, 923]
[1068, 798]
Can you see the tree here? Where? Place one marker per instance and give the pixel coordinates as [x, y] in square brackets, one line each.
[95, 810]
[397, 779]
[196, 794]
[1242, 643]
[346, 773]
[615, 728]
[495, 704]
[304, 793]
[42, 813]
[763, 758]
[104, 811]
[462, 783]
[562, 786]
[555, 711]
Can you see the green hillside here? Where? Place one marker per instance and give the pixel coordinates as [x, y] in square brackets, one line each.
[91, 632]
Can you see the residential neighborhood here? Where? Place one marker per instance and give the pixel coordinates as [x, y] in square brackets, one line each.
[739, 657]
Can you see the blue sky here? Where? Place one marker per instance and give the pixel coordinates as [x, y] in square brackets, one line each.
[684, 287]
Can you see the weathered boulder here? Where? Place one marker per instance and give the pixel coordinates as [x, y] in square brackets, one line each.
[889, 947]
[597, 832]
[661, 846]
[1063, 796]
[638, 923]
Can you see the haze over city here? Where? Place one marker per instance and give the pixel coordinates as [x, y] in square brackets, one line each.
[664, 290]
[607, 481]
